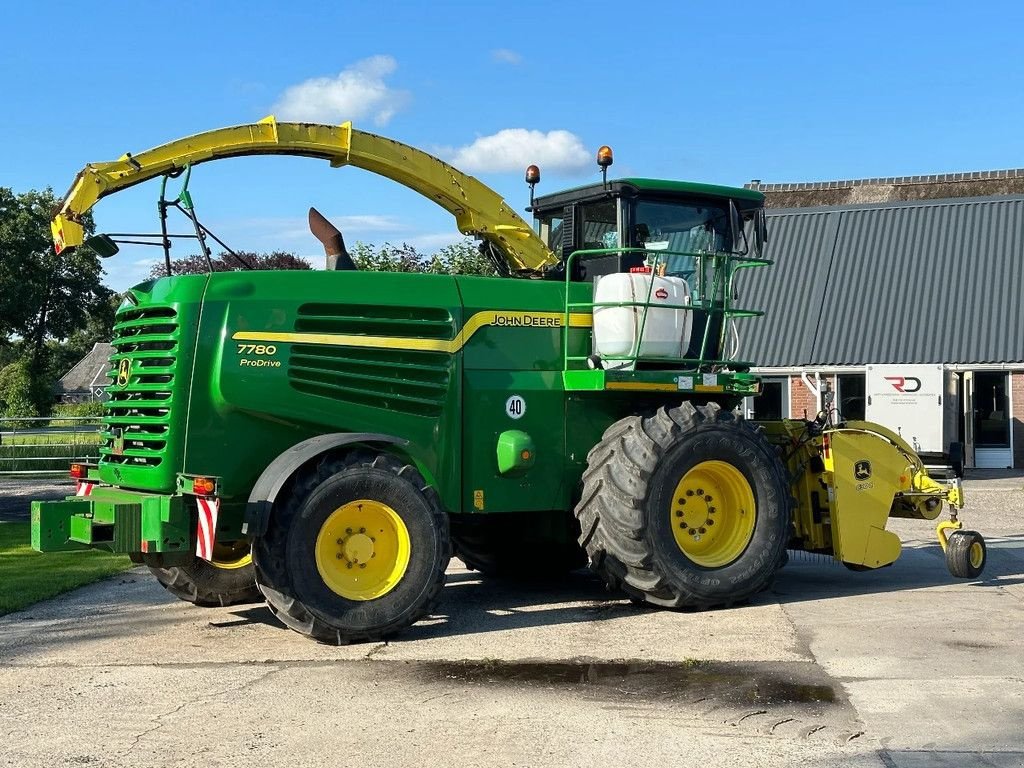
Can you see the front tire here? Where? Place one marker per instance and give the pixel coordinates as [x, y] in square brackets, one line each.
[356, 552]
[689, 507]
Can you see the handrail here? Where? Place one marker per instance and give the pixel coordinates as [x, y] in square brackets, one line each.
[725, 267]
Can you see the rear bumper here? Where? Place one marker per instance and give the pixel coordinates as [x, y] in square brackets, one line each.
[115, 520]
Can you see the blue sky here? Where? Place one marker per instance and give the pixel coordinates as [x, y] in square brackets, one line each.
[714, 92]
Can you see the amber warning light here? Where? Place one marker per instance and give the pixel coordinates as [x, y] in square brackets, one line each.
[533, 179]
[202, 486]
[78, 471]
[604, 161]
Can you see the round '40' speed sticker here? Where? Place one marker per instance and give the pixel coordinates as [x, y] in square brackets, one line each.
[515, 407]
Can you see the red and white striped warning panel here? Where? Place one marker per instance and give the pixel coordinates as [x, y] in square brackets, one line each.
[206, 531]
[84, 489]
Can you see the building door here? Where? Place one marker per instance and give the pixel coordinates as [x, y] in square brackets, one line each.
[991, 420]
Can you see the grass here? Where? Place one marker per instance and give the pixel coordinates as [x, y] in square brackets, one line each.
[92, 437]
[49, 453]
[27, 576]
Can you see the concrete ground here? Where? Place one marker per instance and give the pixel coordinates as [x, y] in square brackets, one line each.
[900, 667]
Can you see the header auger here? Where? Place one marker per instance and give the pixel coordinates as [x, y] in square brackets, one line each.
[331, 438]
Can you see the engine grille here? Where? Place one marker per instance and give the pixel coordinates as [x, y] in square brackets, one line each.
[411, 382]
[141, 403]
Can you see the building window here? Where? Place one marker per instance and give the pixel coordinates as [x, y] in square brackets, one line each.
[991, 410]
[773, 402]
[850, 396]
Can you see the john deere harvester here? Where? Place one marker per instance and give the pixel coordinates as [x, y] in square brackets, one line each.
[325, 440]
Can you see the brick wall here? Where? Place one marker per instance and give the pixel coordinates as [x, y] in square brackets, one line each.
[1017, 423]
[801, 399]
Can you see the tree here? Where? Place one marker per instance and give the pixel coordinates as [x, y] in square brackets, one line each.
[43, 295]
[18, 395]
[461, 258]
[195, 264]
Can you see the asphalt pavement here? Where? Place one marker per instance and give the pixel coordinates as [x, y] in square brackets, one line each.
[16, 494]
[899, 667]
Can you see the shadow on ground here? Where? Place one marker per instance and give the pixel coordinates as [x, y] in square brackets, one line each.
[134, 608]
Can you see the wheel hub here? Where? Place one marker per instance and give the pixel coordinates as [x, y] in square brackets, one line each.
[362, 550]
[713, 513]
[357, 548]
[977, 555]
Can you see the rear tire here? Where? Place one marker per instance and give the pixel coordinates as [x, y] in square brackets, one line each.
[689, 507]
[356, 550]
[229, 580]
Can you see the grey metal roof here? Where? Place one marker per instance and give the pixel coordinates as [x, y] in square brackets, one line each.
[88, 373]
[937, 281]
[931, 178]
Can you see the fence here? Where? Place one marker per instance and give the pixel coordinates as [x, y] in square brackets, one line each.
[46, 446]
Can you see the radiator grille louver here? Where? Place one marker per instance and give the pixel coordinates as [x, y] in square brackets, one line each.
[138, 414]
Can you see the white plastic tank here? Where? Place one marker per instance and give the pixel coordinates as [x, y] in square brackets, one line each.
[666, 332]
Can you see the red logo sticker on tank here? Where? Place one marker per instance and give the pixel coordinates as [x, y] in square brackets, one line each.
[661, 293]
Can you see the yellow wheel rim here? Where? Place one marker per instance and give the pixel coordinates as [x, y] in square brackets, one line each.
[712, 514]
[977, 555]
[362, 550]
[229, 557]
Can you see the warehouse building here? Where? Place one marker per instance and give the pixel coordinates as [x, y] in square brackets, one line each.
[875, 274]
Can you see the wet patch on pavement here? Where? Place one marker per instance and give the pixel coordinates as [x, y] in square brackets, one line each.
[765, 684]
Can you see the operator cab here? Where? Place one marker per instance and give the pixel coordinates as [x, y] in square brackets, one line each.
[689, 239]
[652, 215]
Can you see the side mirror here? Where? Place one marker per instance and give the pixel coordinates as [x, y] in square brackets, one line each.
[761, 231]
[104, 245]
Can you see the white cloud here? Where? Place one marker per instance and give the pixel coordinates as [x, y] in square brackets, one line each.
[506, 56]
[512, 149]
[290, 228]
[433, 241]
[357, 91]
[368, 223]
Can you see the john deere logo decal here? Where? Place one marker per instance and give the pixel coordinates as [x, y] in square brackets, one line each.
[862, 470]
[124, 368]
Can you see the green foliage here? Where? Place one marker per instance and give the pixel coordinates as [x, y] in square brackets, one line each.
[387, 258]
[17, 395]
[462, 258]
[45, 297]
[91, 409]
[225, 262]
